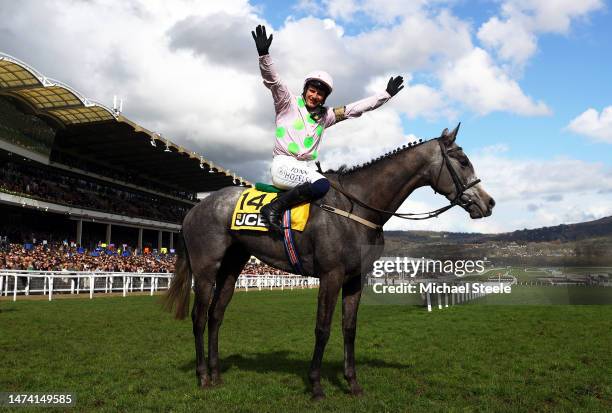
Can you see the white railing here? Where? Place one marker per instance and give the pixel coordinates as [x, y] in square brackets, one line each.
[262, 281]
[25, 283]
[450, 294]
[468, 294]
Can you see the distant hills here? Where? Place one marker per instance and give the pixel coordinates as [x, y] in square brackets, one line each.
[583, 244]
[561, 233]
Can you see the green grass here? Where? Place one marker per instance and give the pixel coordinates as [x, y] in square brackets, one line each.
[550, 295]
[528, 274]
[125, 354]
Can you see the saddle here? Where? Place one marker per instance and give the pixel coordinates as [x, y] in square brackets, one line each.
[260, 186]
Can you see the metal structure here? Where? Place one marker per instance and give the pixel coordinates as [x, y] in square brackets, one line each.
[92, 132]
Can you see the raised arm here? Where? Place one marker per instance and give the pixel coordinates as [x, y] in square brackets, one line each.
[356, 109]
[271, 79]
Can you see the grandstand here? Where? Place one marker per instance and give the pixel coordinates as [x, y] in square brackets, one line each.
[74, 172]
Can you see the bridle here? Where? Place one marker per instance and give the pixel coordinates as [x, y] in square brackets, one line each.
[460, 189]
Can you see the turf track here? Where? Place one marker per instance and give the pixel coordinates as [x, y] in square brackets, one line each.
[126, 354]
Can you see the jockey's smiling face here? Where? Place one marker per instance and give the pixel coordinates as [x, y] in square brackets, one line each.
[314, 97]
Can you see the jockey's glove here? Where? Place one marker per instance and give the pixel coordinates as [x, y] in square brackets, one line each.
[395, 85]
[262, 42]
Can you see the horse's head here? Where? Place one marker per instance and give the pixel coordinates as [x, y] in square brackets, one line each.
[453, 176]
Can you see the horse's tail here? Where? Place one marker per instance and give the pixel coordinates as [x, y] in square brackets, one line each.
[177, 297]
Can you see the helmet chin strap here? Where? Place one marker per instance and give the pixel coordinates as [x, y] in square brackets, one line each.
[318, 111]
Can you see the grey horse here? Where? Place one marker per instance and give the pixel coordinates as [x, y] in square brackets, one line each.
[332, 247]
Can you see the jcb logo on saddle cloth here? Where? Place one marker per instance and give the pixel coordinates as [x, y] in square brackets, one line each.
[246, 214]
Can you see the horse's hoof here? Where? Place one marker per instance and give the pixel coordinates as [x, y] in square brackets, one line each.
[216, 381]
[356, 390]
[318, 397]
[204, 382]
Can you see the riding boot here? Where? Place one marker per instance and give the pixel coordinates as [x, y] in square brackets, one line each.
[273, 212]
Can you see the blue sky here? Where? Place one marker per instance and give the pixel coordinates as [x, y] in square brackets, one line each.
[529, 80]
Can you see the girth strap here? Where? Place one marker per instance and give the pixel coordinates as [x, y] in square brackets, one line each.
[290, 248]
[348, 215]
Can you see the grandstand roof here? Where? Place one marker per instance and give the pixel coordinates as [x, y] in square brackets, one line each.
[89, 130]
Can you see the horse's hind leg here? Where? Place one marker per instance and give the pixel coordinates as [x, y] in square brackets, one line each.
[205, 267]
[203, 293]
[233, 263]
[328, 295]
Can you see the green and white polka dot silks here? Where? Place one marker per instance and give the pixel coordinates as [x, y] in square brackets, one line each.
[297, 133]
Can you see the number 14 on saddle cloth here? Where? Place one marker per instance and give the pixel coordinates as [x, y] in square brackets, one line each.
[246, 212]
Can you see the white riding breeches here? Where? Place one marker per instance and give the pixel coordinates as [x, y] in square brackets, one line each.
[288, 172]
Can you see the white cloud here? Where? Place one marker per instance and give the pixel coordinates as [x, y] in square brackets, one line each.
[341, 9]
[483, 87]
[514, 35]
[593, 124]
[526, 179]
[381, 11]
[415, 100]
[358, 140]
[552, 16]
[309, 6]
[495, 149]
[417, 42]
[511, 39]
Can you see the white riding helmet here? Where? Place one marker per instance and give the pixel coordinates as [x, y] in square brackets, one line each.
[323, 78]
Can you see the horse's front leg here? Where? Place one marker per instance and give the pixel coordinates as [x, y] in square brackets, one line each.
[351, 294]
[329, 289]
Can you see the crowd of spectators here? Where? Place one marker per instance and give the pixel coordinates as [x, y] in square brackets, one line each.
[262, 269]
[53, 257]
[125, 176]
[25, 130]
[79, 191]
[60, 256]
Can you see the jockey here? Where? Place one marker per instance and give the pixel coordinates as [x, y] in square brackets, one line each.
[300, 124]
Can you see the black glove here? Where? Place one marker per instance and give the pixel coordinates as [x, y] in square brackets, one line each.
[262, 42]
[395, 85]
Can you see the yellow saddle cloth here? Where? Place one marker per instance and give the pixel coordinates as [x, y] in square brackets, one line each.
[246, 214]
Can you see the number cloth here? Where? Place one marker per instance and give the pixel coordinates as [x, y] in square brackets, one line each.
[246, 214]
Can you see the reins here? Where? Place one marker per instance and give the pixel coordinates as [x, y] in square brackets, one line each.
[460, 189]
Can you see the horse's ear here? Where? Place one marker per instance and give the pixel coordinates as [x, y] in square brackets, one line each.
[449, 137]
[444, 132]
[455, 131]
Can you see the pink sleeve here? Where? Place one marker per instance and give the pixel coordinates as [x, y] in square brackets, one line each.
[356, 109]
[271, 79]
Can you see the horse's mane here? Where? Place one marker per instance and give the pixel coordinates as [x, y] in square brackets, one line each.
[344, 170]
